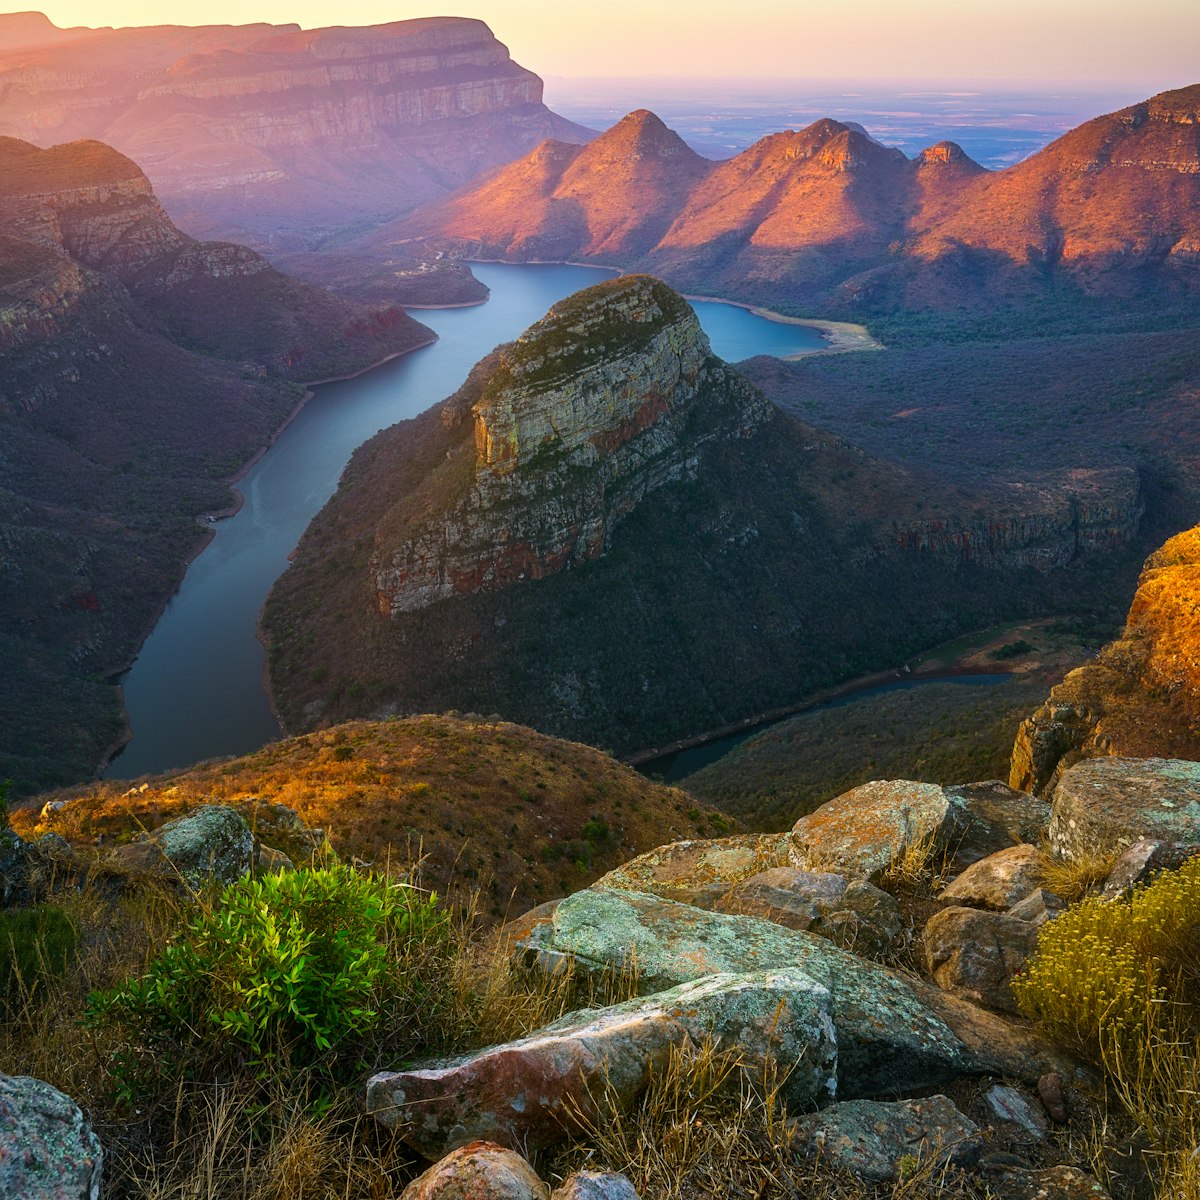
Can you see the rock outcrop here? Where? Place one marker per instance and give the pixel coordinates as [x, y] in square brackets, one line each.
[827, 218]
[263, 132]
[1141, 696]
[604, 473]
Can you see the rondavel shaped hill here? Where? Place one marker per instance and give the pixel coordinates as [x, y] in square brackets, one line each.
[826, 216]
[608, 533]
[275, 135]
[138, 369]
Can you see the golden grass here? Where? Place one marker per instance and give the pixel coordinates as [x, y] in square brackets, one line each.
[499, 810]
[1072, 879]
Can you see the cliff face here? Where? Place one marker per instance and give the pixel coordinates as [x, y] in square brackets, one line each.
[250, 129]
[138, 368]
[578, 422]
[827, 216]
[610, 533]
[1141, 697]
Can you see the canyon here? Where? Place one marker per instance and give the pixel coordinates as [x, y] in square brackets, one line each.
[274, 136]
[606, 471]
[828, 219]
[139, 368]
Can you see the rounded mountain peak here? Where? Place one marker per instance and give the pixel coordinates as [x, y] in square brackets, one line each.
[947, 154]
[642, 133]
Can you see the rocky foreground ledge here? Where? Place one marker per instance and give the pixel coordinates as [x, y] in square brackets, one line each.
[783, 948]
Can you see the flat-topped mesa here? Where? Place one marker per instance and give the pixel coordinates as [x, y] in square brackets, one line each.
[609, 397]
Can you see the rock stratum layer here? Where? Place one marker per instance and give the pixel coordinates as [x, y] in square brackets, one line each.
[260, 130]
[1141, 696]
[828, 218]
[138, 369]
[608, 533]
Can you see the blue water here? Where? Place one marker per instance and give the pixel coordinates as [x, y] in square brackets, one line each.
[673, 767]
[196, 689]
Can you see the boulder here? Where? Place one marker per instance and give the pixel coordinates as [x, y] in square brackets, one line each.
[873, 1139]
[998, 881]
[994, 816]
[975, 954]
[1102, 804]
[529, 1092]
[893, 1032]
[1015, 1108]
[1141, 862]
[478, 1171]
[867, 830]
[595, 1185]
[1052, 1183]
[212, 845]
[784, 895]
[1038, 907]
[47, 1149]
[866, 920]
[700, 872]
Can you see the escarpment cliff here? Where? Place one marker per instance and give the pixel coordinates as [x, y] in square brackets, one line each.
[576, 424]
[610, 533]
[268, 132]
[138, 369]
[1140, 698]
[827, 219]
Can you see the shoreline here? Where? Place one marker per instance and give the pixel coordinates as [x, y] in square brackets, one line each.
[844, 337]
[862, 683]
[207, 522]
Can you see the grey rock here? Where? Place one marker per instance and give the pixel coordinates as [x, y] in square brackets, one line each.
[1102, 804]
[524, 1093]
[47, 1149]
[785, 895]
[1052, 1183]
[212, 845]
[998, 881]
[871, 1139]
[15, 868]
[893, 1032]
[478, 1171]
[1038, 907]
[994, 816]
[867, 920]
[1141, 862]
[595, 1185]
[975, 954]
[1008, 1104]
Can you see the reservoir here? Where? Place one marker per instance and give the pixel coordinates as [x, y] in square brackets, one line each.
[196, 690]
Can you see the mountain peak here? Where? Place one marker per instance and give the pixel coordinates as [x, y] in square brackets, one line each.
[641, 134]
[947, 154]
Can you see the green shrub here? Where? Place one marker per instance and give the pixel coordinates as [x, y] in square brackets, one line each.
[1106, 971]
[36, 944]
[278, 973]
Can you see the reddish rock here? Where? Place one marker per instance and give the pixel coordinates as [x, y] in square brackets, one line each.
[998, 881]
[975, 954]
[478, 1171]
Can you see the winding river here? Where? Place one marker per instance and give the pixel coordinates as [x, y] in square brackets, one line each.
[196, 690]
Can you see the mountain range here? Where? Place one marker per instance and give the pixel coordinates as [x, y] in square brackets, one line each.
[273, 135]
[606, 472]
[139, 369]
[827, 219]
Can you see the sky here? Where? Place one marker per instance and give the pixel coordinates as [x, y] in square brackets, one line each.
[1155, 43]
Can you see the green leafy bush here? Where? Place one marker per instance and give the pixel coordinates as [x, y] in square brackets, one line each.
[1107, 971]
[36, 944]
[278, 972]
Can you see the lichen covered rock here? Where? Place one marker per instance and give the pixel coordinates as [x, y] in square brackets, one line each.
[212, 845]
[47, 1148]
[528, 1092]
[872, 1139]
[1106, 804]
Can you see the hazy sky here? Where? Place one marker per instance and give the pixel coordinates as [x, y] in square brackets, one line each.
[1156, 42]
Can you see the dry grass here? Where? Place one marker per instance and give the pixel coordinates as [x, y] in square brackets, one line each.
[1072, 879]
[511, 815]
[920, 863]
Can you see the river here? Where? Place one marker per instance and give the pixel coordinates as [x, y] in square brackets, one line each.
[196, 690]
